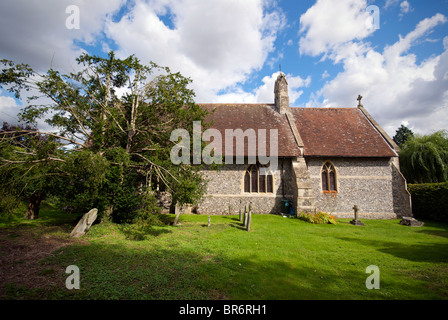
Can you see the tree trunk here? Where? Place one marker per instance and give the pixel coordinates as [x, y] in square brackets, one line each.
[32, 212]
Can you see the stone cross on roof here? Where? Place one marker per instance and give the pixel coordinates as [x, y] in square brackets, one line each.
[359, 100]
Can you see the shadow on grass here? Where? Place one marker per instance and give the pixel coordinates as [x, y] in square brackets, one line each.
[138, 234]
[233, 218]
[436, 252]
[176, 269]
[48, 216]
[237, 225]
[119, 271]
[441, 229]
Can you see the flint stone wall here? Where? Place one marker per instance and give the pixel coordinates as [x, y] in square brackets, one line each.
[225, 191]
[370, 183]
[367, 183]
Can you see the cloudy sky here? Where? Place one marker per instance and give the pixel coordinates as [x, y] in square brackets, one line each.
[392, 52]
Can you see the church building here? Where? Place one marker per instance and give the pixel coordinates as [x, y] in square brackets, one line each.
[328, 159]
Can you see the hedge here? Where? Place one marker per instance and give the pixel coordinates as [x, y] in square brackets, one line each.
[430, 201]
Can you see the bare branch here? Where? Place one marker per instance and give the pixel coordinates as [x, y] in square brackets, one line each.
[72, 112]
[156, 166]
[44, 133]
[32, 161]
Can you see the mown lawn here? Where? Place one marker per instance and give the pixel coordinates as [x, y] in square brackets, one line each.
[280, 258]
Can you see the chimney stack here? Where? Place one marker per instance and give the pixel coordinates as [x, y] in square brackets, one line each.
[281, 94]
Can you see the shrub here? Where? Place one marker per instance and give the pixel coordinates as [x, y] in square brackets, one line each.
[430, 201]
[317, 218]
[147, 216]
[11, 207]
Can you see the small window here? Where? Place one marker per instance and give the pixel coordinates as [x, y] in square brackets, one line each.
[262, 183]
[247, 182]
[255, 182]
[270, 184]
[328, 178]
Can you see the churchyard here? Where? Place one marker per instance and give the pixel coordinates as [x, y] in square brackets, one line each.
[216, 258]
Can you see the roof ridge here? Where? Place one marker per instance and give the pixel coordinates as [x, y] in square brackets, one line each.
[235, 104]
[324, 108]
[380, 130]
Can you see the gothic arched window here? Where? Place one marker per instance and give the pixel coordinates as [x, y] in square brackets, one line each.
[328, 177]
[257, 182]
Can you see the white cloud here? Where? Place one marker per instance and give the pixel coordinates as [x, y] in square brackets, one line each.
[35, 32]
[405, 7]
[8, 110]
[390, 3]
[404, 44]
[265, 92]
[218, 44]
[445, 43]
[325, 75]
[329, 24]
[395, 87]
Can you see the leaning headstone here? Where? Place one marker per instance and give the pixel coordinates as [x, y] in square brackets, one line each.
[249, 220]
[209, 222]
[412, 222]
[84, 224]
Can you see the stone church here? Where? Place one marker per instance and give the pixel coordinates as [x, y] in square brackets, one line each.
[329, 159]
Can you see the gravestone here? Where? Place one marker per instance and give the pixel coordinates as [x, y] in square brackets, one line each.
[84, 224]
[412, 222]
[355, 221]
[244, 216]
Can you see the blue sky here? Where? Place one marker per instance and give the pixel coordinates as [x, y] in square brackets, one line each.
[232, 49]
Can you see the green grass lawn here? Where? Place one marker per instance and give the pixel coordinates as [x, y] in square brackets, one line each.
[280, 258]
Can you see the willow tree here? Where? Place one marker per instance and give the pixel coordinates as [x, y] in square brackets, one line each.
[424, 159]
[112, 122]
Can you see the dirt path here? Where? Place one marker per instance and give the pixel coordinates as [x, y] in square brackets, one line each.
[22, 250]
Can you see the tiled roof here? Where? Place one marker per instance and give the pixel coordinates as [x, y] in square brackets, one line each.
[327, 132]
[256, 117]
[339, 132]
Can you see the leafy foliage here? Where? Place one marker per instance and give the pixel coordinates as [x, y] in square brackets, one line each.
[16, 77]
[30, 163]
[430, 201]
[317, 218]
[112, 123]
[424, 159]
[402, 135]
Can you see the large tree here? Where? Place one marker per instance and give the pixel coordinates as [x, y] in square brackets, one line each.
[424, 159]
[29, 164]
[402, 135]
[112, 122]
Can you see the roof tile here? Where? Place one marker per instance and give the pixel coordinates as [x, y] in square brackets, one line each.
[339, 132]
[256, 117]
